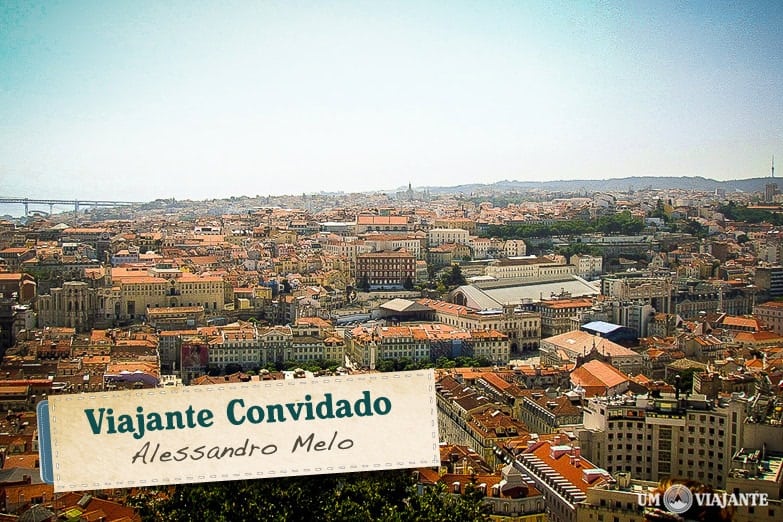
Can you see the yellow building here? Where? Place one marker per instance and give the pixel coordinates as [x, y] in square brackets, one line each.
[170, 288]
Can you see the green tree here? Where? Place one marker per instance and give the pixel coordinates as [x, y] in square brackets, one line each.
[735, 212]
[454, 277]
[445, 362]
[437, 504]
[660, 211]
[694, 228]
[232, 368]
[385, 365]
[386, 496]
[686, 379]
[581, 249]
[620, 223]
[364, 284]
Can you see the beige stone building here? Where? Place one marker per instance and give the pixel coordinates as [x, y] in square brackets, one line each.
[143, 289]
[514, 248]
[588, 266]
[442, 236]
[522, 328]
[529, 268]
[424, 342]
[250, 346]
[465, 224]
[414, 243]
[73, 306]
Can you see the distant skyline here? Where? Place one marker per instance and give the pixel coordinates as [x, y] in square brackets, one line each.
[144, 100]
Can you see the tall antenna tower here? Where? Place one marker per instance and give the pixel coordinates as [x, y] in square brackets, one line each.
[773, 165]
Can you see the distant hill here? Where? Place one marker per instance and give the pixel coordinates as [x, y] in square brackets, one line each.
[612, 185]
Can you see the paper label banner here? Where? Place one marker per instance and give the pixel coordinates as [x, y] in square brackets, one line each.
[241, 431]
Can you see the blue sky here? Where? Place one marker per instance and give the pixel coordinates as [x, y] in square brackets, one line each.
[140, 100]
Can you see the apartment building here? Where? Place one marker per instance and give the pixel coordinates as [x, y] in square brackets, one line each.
[348, 248]
[23, 285]
[588, 266]
[753, 471]
[597, 378]
[692, 299]
[447, 254]
[538, 377]
[557, 314]
[522, 328]
[175, 318]
[13, 257]
[546, 411]
[757, 469]
[169, 347]
[770, 315]
[386, 269]
[770, 280]
[655, 291]
[481, 247]
[443, 236]
[452, 223]
[616, 500]
[250, 346]
[514, 248]
[97, 238]
[391, 242]
[561, 473]
[125, 256]
[466, 417]
[456, 402]
[653, 438]
[425, 342]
